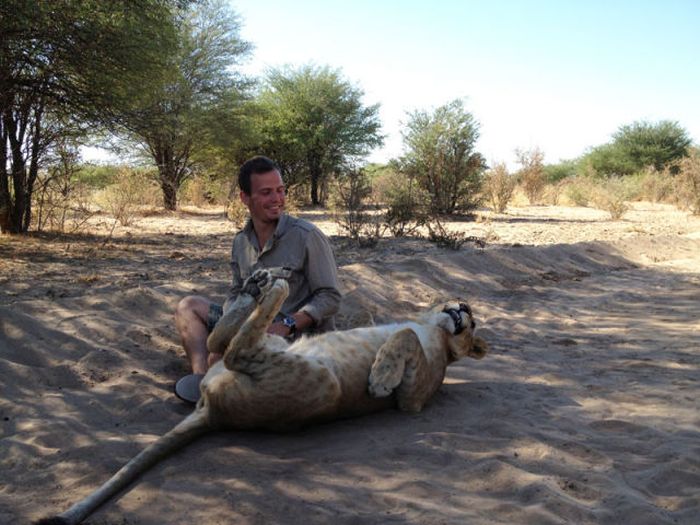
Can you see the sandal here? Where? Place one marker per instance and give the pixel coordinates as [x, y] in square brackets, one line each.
[187, 388]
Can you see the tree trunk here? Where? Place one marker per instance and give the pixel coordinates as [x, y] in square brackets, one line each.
[315, 172]
[167, 184]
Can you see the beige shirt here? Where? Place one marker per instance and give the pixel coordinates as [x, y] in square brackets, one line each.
[302, 248]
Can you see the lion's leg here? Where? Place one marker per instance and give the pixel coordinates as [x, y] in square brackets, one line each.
[228, 326]
[247, 342]
[401, 364]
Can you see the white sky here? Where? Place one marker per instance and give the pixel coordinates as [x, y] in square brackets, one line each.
[558, 75]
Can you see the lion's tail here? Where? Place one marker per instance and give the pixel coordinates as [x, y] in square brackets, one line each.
[186, 431]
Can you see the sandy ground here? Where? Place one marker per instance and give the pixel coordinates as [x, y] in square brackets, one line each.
[585, 411]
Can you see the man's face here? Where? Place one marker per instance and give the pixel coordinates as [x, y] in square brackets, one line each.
[267, 195]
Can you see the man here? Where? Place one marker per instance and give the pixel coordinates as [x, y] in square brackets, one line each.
[271, 239]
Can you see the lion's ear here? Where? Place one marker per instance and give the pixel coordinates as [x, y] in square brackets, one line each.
[479, 348]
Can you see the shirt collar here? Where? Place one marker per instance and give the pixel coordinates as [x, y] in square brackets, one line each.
[283, 225]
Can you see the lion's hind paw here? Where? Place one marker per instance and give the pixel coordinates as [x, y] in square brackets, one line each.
[258, 284]
[383, 379]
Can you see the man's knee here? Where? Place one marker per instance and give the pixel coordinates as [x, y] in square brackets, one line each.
[192, 308]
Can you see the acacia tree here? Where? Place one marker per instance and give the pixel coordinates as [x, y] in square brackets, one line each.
[638, 146]
[64, 62]
[313, 122]
[440, 154]
[202, 92]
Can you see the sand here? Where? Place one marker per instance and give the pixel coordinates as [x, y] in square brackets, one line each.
[585, 411]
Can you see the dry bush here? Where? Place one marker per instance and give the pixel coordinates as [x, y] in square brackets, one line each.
[687, 183]
[405, 203]
[656, 186]
[531, 175]
[498, 187]
[134, 190]
[195, 191]
[236, 212]
[579, 191]
[612, 196]
[355, 210]
[446, 238]
[62, 201]
[62, 205]
[554, 191]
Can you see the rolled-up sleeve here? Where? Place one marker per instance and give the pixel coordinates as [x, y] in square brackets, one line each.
[322, 275]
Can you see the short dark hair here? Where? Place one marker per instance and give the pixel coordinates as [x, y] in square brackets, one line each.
[254, 166]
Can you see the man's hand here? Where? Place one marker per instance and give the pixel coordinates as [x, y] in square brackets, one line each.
[279, 329]
[303, 321]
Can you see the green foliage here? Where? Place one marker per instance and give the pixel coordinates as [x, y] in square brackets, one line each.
[565, 169]
[657, 145]
[65, 64]
[498, 187]
[313, 123]
[441, 157]
[201, 99]
[638, 146]
[97, 176]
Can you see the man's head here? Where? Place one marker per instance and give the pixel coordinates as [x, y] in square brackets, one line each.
[262, 189]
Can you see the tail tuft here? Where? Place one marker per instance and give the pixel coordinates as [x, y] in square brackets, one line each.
[56, 520]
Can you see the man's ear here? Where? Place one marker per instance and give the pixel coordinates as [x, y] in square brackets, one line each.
[479, 348]
[245, 198]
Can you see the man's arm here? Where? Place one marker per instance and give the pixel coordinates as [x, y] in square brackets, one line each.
[321, 273]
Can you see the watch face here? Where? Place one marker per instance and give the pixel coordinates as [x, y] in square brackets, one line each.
[289, 321]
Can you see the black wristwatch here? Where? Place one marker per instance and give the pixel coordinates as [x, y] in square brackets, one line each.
[290, 323]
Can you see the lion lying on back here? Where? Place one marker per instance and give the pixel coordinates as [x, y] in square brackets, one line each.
[264, 382]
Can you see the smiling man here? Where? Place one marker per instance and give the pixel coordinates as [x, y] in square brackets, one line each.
[271, 239]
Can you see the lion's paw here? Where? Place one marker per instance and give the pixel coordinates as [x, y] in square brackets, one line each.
[258, 284]
[383, 379]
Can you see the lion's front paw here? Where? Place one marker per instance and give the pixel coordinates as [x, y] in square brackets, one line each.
[258, 284]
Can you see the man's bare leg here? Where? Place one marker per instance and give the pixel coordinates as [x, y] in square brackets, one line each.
[191, 317]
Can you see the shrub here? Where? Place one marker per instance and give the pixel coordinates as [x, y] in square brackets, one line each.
[656, 186]
[134, 189]
[612, 196]
[498, 187]
[405, 202]
[236, 212]
[351, 202]
[446, 238]
[532, 175]
[579, 191]
[62, 199]
[687, 183]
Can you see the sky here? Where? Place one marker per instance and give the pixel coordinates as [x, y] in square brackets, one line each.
[561, 76]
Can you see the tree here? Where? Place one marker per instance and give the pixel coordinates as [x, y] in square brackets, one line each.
[638, 146]
[202, 93]
[68, 64]
[313, 123]
[647, 144]
[440, 154]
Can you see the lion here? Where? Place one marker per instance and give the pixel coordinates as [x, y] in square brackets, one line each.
[265, 382]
